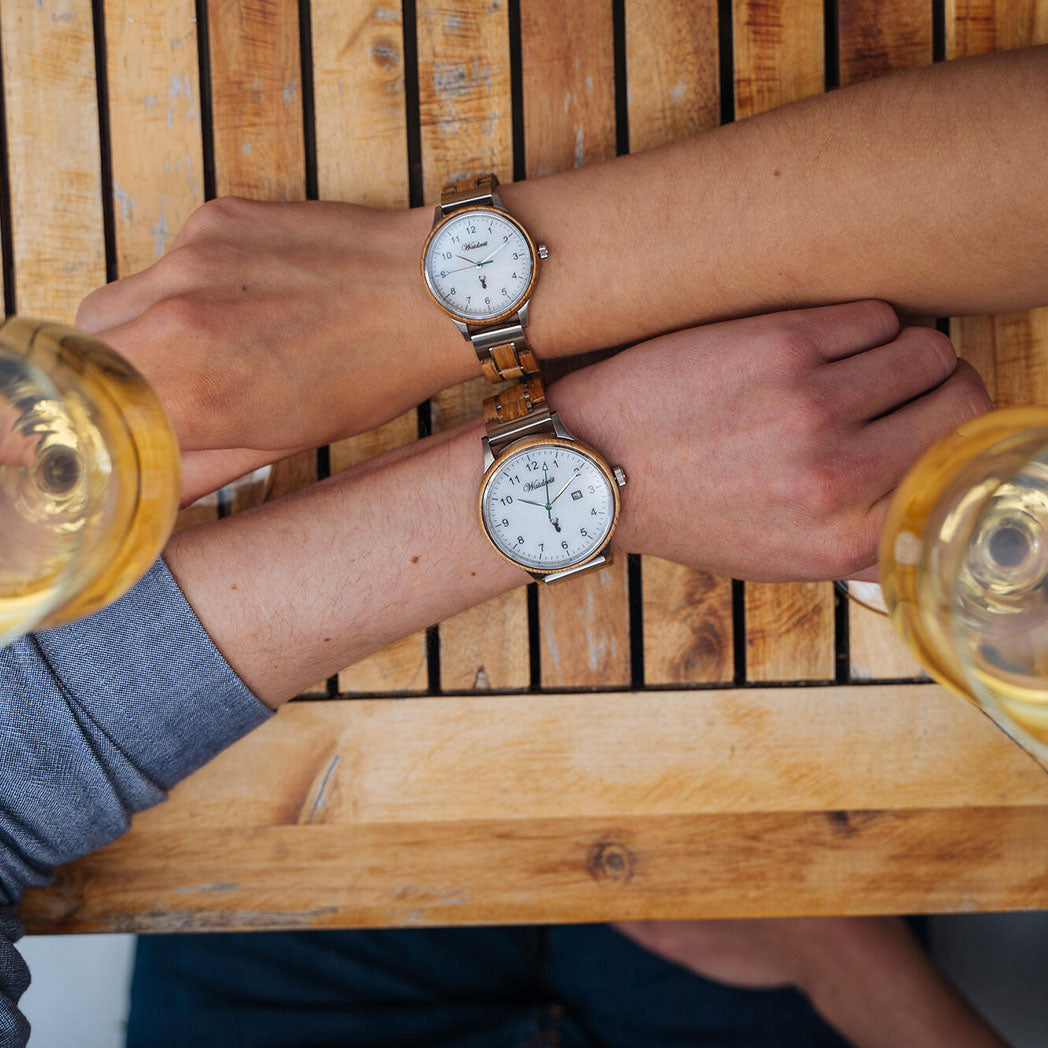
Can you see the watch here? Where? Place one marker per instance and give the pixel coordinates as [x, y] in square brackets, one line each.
[480, 266]
[547, 502]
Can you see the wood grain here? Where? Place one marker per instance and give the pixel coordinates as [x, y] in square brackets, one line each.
[358, 86]
[672, 70]
[487, 647]
[155, 140]
[778, 59]
[466, 126]
[673, 90]
[54, 161]
[401, 666]
[259, 150]
[569, 120]
[459, 810]
[778, 53]
[1010, 350]
[362, 157]
[568, 73]
[465, 108]
[877, 38]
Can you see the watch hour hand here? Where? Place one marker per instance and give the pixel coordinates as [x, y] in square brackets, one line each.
[541, 505]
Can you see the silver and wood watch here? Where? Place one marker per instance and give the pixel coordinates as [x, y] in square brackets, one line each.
[480, 265]
[547, 502]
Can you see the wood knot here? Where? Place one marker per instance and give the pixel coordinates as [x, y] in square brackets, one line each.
[610, 861]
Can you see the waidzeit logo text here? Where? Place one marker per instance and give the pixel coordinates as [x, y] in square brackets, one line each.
[538, 485]
[474, 245]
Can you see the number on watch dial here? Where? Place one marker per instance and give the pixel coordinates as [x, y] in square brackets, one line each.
[479, 265]
[548, 507]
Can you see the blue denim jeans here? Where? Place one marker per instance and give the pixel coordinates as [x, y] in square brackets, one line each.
[574, 986]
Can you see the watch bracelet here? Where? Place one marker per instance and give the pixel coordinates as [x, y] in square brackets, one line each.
[502, 350]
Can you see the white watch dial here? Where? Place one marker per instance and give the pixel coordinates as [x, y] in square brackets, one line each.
[479, 264]
[548, 506]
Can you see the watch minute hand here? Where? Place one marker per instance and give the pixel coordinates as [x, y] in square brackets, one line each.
[574, 476]
[505, 243]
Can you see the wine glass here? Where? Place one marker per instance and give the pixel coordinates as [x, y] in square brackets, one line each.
[89, 475]
[964, 568]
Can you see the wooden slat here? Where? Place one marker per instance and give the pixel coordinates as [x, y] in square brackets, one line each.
[358, 87]
[466, 122]
[1010, 350]
[459, 810]
[877, 37]
[779, 58]
[569, 120]
[401, 666]
[155, 140]
[486, 647]
[673, 90]
[778, 48]
[256, 91]
[53, 155]
[361, 128]
[464, 92]
[672, 70]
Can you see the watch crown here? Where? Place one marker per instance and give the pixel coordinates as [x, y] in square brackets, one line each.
[620, 476]
[543, 251]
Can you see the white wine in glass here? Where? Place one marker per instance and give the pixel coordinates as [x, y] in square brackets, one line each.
[89, 475]
[964, 567]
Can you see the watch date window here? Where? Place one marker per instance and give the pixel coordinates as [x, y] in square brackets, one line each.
[576, 495]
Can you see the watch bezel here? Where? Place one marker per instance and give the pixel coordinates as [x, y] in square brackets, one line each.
[575, 445]
[518, 304]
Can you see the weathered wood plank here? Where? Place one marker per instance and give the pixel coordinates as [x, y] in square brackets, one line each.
[155, 139]
[876, 38]
[54, 160]
[673, 90]
[466, 124]
[569, 86]
[569, 120]
[550, 870]
[358, 87]
[779, 58]
[362, 157]
[465, 109]
[460, 810]
[1009, 350]
[487, 647]
[154, 125]
[401, 666]
[672, 70]
[256, 92]
[779, 53]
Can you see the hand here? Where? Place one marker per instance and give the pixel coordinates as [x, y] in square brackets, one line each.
[273, 327]
[767, 448]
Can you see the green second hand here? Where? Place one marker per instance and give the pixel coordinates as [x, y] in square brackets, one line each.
[549, 506]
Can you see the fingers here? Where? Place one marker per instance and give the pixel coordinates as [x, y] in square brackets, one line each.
[878, 380]
[844, 330]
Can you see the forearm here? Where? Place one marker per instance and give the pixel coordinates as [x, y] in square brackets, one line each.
[922, 189]
[875, 985]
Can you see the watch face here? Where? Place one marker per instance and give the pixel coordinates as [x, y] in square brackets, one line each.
[549, 504]
[479, 265]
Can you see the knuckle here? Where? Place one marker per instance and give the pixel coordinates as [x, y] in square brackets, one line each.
[968, 395]
[213, 217]
[89, 310]
[879, 318]
[820, 490]
[176, 316]
[933, 352]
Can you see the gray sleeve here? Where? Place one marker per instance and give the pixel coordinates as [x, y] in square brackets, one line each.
[97, 720]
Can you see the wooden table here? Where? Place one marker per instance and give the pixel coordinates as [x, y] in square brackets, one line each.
[650, 742]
